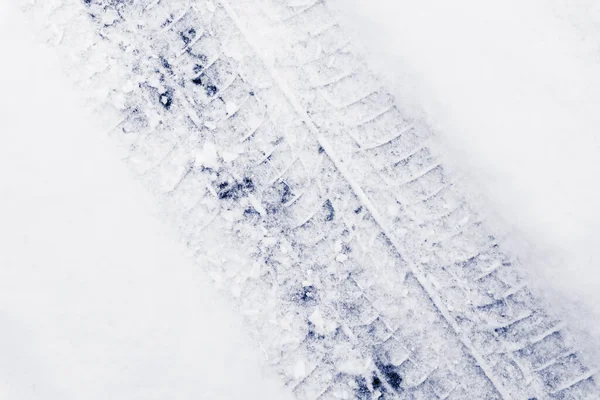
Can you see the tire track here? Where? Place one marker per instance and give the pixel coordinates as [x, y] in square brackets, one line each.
[364, 199]
[208, 130]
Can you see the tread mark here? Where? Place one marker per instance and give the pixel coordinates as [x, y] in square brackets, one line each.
[368, 204]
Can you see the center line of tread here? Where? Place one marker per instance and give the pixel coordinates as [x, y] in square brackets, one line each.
[329, 150]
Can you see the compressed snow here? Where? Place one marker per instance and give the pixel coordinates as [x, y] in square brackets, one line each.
[208, 157]
[231, 108]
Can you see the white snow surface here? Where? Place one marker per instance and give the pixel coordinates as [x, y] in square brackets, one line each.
[96, 299]
[512, 89]
[92, 311]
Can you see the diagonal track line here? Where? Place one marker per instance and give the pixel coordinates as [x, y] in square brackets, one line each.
[330, 151]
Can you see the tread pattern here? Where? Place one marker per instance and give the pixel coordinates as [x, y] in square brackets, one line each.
[299, 185]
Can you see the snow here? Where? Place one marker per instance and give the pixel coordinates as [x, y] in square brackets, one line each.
[495, 88]
[96, 299]
[512, 89]
[208, 157]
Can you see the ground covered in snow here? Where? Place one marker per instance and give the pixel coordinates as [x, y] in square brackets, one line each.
[513, 91]
[97, 300]
[365, 259]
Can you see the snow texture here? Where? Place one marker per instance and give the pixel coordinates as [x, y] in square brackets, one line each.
[306, 193]
[97, 300]
[513, 90]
